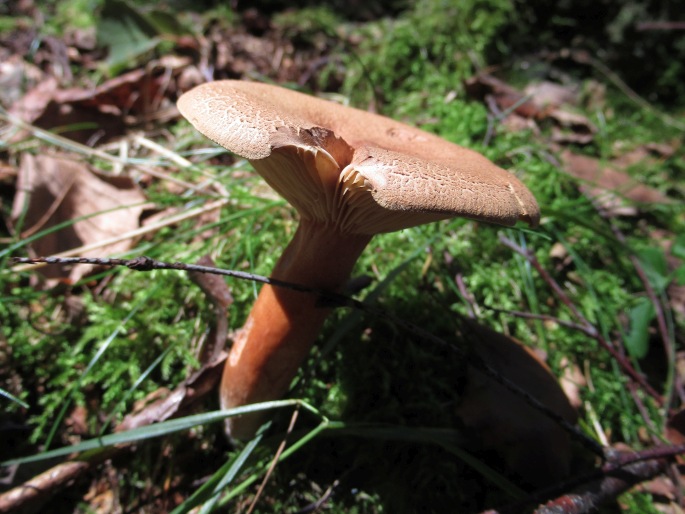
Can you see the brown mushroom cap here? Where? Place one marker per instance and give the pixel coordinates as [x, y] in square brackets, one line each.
[363, 172]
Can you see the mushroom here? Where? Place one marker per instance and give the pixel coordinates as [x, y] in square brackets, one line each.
[350, 174]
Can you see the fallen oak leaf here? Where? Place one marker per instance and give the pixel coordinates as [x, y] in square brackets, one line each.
[506, 97]
[538, 105]
[41, 107]
[106, 109]
[53, 190]
[571, 127]
[609, 186]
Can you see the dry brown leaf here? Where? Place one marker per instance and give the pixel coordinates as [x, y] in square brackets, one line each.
[664, 494]
[542, 102]
[649, 153]
[169, 404]
[77, 422]
[571, 128]
[675, 426]
[52, 190]
[609, 186]
[516, 123]
[103, 503]
[661, 486]
[664, 150]
[41, 107]
[106, 109]
[550, 94]
[533, 446]
[505, 96]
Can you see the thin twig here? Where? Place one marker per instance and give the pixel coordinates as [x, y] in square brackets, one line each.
[472, 306]
[281, 448]
[331, 300]
[592, 331]
[33, 494]
[178, 218]
[654, 300]
[606, 489]
[621, 471]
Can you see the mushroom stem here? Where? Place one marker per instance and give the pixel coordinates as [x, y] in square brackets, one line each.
[283, 323]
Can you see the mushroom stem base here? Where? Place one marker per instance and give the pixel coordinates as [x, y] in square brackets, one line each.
[283, 323]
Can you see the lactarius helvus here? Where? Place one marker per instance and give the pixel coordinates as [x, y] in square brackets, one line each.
[350, 174]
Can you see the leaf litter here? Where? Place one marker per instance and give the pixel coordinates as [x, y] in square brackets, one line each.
[55, 190]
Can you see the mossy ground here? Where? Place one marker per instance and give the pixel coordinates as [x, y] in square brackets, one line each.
[365, 370]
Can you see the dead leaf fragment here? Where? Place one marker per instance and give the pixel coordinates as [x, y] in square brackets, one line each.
[54, 190]
[77, 422]
[571, 127]
[675, 428]
[571, 381]
[547, 94]
[106, 109]
[42, 107]
[506, 97]
[608, 186]
[171, 404]
[543, 101]
[649, 152]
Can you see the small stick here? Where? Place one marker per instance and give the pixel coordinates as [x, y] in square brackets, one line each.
[275, 460]
[34, 492]
[621, 471]
[591, 329]
[473, 311]
[590, 332]
[147, 264]
[128, 235]
[327, 299]
[658, 307]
